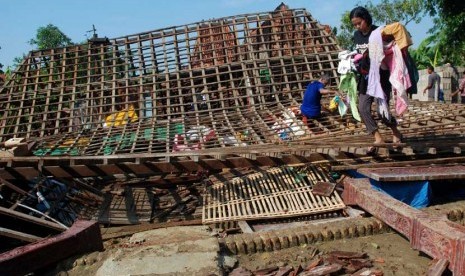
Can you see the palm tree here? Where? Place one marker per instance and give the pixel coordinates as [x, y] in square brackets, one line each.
[427, 53]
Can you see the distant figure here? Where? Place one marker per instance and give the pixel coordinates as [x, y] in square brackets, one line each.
[311, 104]
[461, 89]
[434, 82]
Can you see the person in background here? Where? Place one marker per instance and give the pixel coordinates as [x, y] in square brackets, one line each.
[311, 104]
[363, 23]
[461, 89]
[434, 81]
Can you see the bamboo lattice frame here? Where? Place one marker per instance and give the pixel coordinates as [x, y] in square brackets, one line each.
[217, 90]
[217, 84]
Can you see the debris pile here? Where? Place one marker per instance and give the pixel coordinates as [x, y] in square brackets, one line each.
[337, 262]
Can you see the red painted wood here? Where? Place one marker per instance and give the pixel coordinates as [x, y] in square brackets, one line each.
[435, 236]
[82, 236]
[415, 173]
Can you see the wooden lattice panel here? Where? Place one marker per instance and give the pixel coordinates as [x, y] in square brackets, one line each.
[275, 193]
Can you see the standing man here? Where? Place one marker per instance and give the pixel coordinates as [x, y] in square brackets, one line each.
[460, 90]
[434, 81]
[311, 104]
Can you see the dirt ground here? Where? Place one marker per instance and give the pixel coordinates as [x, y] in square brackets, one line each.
[389, 252]
[166, 251]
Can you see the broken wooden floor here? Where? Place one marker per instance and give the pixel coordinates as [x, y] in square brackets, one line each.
[272, 193]
[198, 97]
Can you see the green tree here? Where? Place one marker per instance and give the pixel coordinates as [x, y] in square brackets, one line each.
[449, 19]
[427, 53]
[50, 36]
[344, 33]
[388, 11]
[404, 11]
[46, 37]
[18, 60]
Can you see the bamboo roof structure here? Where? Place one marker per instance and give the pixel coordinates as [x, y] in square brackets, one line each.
[203, 95]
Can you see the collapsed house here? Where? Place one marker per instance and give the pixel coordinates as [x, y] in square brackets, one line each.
[178, 103]
[186, 88]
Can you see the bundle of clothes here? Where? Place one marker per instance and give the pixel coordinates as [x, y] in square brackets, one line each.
[387, 49]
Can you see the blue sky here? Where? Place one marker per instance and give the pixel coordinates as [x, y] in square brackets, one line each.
[116, 18]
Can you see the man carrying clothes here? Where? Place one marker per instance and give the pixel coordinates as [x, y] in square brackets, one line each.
[434, 81]
[311, 104]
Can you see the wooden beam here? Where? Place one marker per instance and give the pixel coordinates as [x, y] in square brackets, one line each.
[245, 227]
[414, 173]
[438, 267]
[371, 164]
[18, 235]
[31, 219]
[81, 237]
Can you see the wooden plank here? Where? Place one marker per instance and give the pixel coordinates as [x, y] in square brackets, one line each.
[438, 267]
[18, 235]
[435, 161]
[16, 189]
[31, 219]
[245, 227]
[415, 173]
[82, 237]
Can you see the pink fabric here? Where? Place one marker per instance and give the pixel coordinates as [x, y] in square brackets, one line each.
[401, 105]
[399, 77]
[357, 57]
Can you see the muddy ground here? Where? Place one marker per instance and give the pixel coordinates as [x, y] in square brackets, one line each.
[389, 253]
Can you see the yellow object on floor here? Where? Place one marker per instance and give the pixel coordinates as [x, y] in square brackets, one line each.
[121, 118]
[81, 142]
[333, 105]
